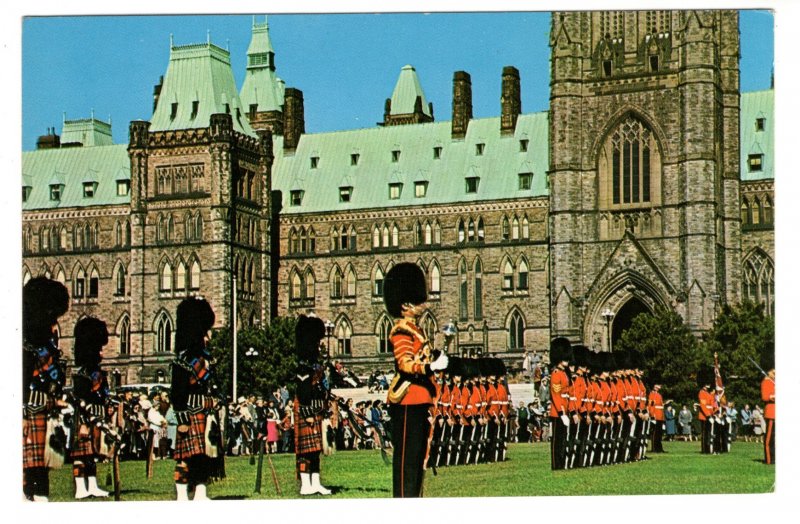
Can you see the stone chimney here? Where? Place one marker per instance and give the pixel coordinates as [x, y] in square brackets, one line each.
[49, 141]
[294, 123]
[510, 102]
[462, 103]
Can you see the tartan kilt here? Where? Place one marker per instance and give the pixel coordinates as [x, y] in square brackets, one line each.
[307, 437]
[193, 442]
[34, 428]
[89, 446]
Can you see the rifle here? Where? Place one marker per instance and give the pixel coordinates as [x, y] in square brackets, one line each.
[149, 462]
[260, 466]
[760, 369]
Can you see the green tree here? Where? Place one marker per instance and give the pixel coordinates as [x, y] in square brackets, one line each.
[670, 352]
[740, 333]
[273, 366]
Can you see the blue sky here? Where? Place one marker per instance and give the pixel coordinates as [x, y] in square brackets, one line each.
[345, 64]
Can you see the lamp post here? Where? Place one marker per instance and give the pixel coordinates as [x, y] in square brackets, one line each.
[235, 346]
[608, 316]
[329, 332]
[251, 352]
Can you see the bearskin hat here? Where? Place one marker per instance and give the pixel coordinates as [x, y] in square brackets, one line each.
[498, 367]
[706, 377]
[43, 301]
[768, 356]
[455, 367]
[635, 360]
[608, 362]
[91, 335]
[560, 351]
[472, 368]
[580, 356]
[404, 284]
[593, 362]
[485, 367]
[308, 333]
[194, 318]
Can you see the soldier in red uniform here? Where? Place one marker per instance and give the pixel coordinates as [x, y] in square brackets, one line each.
[411, 394]
[560, 356]
[706, 407]
[655, 407]
[504, 401]
[768, 397]
[579, 426]
[456, 370]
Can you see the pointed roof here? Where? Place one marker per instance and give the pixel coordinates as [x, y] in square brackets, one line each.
[87, 132]
[199, 80]
[261, 86]
[406, 92]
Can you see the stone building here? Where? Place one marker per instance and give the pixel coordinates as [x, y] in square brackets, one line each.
[649, 182]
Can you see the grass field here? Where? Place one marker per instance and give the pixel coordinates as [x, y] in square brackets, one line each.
[362, 474]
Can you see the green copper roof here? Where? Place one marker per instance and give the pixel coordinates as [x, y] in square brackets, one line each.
[87, 131]
[757, 108]
[261, 85]
[406, 92]
[260, 42]
[198, 83]
[497, 167]
[71, 167]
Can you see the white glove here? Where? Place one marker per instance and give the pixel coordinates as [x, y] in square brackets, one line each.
[565, 420]
[440, 363]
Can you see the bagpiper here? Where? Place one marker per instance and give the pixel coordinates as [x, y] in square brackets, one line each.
[310, 404]
[197, 441]
[412, 389]
[43, 302]
[560, 356]
[91, 392]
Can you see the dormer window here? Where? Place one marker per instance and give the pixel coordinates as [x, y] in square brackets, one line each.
[195, 108]
[26, 192]
[88, 189]
[354, 159]
[420, 189]
[472, 184]
[55, 192]
[437, 152]
[525, 180]
[396, 155]
[173, 111]
[760, 122]
[479, 149]
[296, 197]
[314, 162]
[754, 162]
[345, 193]
[253, 110]
[123, 187]
[394, 191]
[227, 109]
[523, 145]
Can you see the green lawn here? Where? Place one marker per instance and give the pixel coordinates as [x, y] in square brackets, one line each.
[362, 474]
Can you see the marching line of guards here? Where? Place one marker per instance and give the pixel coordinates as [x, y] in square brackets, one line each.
[600, 410]
[470, 414]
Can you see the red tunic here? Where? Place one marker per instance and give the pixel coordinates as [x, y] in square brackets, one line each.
[456, 406]
[559, 393]
[444, 400]
[655, 403]
[768, 397]
[408, 341]
[468, 409]
[502, 398]
[577, 396]
[707, 404]
[492, 404]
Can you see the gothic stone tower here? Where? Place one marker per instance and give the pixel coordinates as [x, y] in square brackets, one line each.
[644, 152]
[200, 195]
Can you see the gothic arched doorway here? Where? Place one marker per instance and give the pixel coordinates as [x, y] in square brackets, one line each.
[624, 317]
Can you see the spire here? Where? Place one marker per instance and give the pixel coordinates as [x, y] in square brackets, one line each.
[262, 90]
[408, 104]
[260, 53]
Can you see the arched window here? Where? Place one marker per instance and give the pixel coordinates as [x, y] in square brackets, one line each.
[303, 240]
[295, 289]
[505, 230]
[121, 279]
[170, 228]
[127, 233]
[756, 211]
[166, 278]
[118, 234]
[522, 280]
[26, 276]
[336, 284]
[194, 281]
[163, 334]
[395, 236]
[79, 284]
[462, 290]
[62, 238]
[461, 232]
[344, 334]
[385, 236]
[516, 332]
[251, 278]
[437, 233]
[526, 230]
[429, 326]
[768, 218]
[161, 229]
[60, 276]
[508, 276]
[312, 240]
[124, 336]
[384, 328]
[478, 290]
[334, 239]
[418, 238]
[311, 283]
[471, 231]
[198, 226]
[293, 244]
[350, 291]
[481, 230]
[436, 278]
[188, 227]
[27, 240]
[745, 212]
[630, 166]
[180, 277]
[515, 229]
[759, 280]
[376, 237]
[352, 238]
[428, 234]
[88, 243]
[377, 288]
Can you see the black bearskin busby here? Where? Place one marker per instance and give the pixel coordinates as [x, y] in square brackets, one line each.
[455, 367]
[404, 284]
[560, 351]
[768, 356]
[472, 368]
[485, 367]
[194, 318]
[43, 301]
[498, 367]
[580, 356]
[705, 377]
[91, 335]
[308, 333]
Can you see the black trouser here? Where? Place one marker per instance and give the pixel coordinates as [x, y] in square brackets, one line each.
[35, 481]
[705, 436]
[558, 443]
[769, 442]
[658, 431]
[410, 429]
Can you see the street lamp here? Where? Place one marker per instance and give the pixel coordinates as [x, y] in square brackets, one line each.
[608, 316]
[329, 332]
[251, 352]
